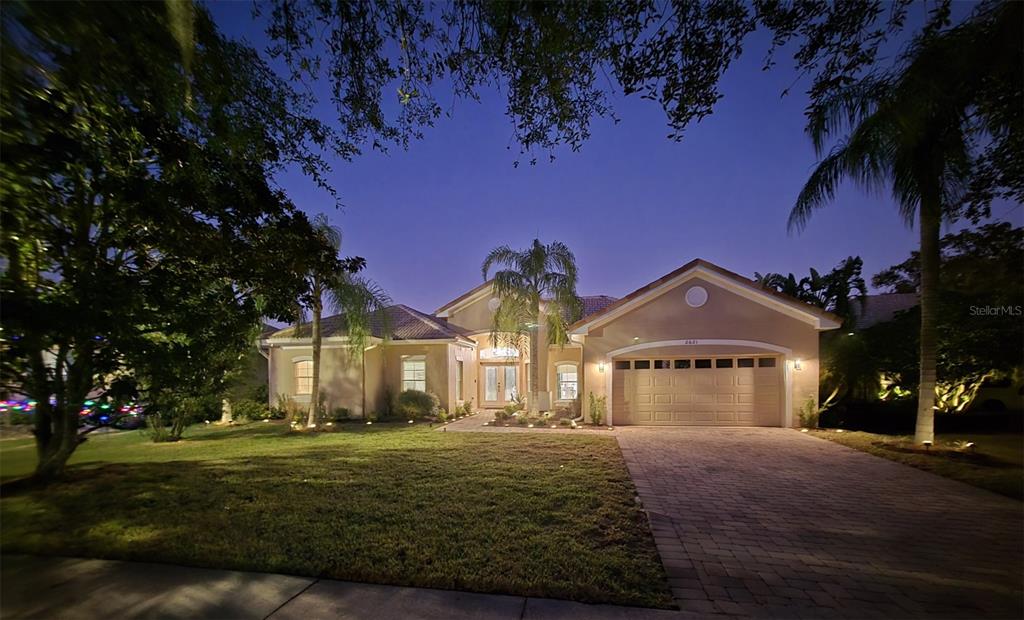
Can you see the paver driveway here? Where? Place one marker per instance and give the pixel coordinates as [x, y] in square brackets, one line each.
[772, 522]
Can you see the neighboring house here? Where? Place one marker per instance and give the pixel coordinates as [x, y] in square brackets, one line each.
[871, 310]
[699, 346]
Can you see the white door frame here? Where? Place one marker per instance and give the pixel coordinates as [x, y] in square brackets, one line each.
[787, 379]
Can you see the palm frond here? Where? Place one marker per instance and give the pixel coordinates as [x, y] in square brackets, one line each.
[330, 234]
[360, 301]
[844, 109]
[500, 256]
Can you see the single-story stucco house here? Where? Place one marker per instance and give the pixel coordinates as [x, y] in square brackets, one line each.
[699, 346]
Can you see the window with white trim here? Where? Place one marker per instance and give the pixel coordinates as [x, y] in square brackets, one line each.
[459, 380]
[568, 381]
[414, 373]
[303, 377]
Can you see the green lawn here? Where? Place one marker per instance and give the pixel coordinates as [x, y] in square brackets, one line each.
[996, 464]
[535, 515]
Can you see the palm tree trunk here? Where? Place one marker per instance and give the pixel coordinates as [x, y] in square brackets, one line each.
[314, 397]
[930, 220]
[534, 370]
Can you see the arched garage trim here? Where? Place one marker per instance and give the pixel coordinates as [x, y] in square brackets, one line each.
[787, 380]
[699, 342]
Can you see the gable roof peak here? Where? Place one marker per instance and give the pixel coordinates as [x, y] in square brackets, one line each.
[822, 319]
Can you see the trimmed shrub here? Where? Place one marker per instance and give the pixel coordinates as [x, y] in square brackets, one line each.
[598, 408]
[247, 409]
[415, 405]
[338, 414]
[809, 414]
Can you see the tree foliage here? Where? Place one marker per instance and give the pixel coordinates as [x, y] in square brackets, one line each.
[142, 234]
[836, 291]
[981, 295]
[560, 64]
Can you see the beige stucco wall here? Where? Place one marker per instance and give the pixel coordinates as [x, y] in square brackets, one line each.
[437, 356]
[475, 316]
[373, 385]
[343, 381]
[341, 377]
[569, 354]
[725, 316]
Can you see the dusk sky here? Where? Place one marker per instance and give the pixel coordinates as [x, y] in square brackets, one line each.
[632, 205]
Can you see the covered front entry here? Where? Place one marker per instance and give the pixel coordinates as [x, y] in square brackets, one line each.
[500, 385]
[723, 390]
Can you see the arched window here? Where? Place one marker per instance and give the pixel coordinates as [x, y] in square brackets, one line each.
[304, 377]
[568, 381]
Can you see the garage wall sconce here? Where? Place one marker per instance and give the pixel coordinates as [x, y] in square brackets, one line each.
[600, 367]
[796, 364]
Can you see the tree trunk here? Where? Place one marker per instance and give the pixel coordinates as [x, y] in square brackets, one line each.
[54, 454]
[534, 370]
[57, 425]
[314, 397]
[930, 219]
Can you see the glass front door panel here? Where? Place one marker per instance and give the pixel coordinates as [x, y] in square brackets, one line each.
[510, 383]
[491, 383]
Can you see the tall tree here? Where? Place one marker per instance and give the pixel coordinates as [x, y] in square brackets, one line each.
[356, 298]
[925, 131]
[140, 223]
[536, 286]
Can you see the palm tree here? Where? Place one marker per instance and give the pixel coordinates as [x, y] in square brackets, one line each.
[917, 133]
[358, 299]
[833, 291]
[536, 287]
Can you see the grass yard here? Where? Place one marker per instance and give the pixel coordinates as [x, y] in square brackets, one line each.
[997, 463]
[550, 516]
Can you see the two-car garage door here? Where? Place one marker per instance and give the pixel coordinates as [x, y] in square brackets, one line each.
[698, 391]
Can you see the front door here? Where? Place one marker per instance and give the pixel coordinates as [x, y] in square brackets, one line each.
[500, 385]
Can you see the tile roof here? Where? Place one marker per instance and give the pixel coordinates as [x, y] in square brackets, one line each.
[596, 303]
[403, 322]
[875, 309]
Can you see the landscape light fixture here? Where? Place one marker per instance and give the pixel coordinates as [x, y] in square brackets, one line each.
[927, 444]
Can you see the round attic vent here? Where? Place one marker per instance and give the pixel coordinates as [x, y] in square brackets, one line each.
[493, 304]
[696, 296]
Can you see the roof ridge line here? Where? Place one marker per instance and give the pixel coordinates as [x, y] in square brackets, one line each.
[423, 318]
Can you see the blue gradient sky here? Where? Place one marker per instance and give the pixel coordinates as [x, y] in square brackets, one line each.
[632, 205]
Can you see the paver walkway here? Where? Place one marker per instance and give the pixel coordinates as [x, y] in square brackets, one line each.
[772, 522]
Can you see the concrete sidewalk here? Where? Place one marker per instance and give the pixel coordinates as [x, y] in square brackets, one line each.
[70, 588]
